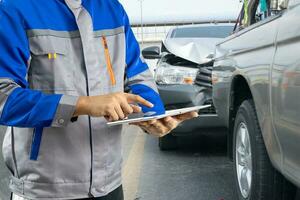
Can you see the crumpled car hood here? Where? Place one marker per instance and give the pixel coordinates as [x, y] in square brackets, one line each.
[197, 50]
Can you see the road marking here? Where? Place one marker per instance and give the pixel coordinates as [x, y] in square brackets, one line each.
[132, 168]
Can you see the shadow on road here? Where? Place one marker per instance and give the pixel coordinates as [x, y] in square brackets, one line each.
[212, 143]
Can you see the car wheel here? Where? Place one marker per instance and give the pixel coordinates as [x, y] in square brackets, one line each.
[168, 142]
[255, 177]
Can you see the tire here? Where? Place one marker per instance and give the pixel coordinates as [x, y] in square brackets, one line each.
[266, 183]
[168, 142]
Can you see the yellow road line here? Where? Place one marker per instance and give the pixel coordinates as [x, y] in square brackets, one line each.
[132, 168]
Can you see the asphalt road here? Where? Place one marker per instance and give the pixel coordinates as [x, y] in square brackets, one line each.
[199, 170]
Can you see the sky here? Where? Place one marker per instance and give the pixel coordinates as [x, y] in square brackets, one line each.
[170, 11]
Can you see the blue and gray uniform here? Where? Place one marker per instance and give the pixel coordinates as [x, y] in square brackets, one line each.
[51, 53]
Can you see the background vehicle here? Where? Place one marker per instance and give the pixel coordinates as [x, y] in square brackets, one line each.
[256, 90]
[183, 74]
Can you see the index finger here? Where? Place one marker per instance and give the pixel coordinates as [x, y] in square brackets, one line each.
[131, 98]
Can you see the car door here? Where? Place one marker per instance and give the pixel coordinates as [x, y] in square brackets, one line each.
[249, 53]
[285, 89]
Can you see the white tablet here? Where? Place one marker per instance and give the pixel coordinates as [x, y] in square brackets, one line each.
[145, 117]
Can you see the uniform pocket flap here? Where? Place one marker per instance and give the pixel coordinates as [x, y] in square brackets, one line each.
[43, 45]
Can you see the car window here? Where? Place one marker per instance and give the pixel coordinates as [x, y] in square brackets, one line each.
[253, 11]
[261, 11]
[243, 20]
[202, 32]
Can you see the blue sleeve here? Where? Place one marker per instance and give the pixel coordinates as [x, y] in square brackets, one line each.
[19, 105]
[139, 79]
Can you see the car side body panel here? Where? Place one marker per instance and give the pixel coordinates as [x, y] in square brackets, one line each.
[285, 91]
[248, 55]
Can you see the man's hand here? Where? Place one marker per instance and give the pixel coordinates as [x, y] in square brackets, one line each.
[113, 107]
[162, 127]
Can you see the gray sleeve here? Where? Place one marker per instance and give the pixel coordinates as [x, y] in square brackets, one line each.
[145, 78]
[7, 86]
[65, 111]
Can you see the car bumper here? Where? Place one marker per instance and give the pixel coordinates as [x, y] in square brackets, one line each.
[180, 96]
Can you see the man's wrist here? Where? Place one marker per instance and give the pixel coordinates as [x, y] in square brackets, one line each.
[82, 106]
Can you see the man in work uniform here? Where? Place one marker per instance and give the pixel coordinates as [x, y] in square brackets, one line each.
[64, 67]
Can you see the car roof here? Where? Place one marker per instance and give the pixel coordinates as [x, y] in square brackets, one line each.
[203, 25]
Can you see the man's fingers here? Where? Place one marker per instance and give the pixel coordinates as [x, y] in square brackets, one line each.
[159, 126]
[151, 122]
[146, 123]
[170, 123]
[127, 109]
[162, 127]
[113, 116]
[120, 112]
[131, 98]
[167, 119]
[136, 109]
[187, 116]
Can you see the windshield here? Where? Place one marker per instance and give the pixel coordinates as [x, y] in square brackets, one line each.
[202, 32]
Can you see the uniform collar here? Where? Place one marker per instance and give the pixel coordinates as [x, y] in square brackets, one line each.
[74, 3]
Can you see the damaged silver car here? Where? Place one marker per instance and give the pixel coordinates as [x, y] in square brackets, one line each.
[183, 75]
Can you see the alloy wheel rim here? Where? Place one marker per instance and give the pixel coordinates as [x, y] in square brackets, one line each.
[243, 160]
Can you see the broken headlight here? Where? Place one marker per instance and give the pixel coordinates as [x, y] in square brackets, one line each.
[167, 75]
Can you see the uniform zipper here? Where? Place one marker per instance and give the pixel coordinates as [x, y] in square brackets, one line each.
[108, 61]
[76, 14]
[91, 137]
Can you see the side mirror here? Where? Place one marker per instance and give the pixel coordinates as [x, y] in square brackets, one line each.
[151, 52]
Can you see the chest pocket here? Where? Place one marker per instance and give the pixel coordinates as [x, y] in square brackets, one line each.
[51, 69]
[111, 51]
